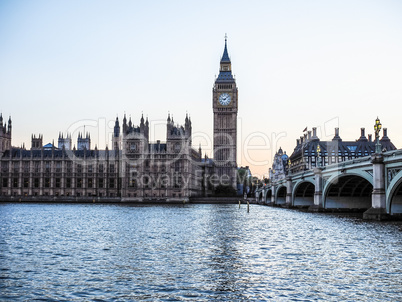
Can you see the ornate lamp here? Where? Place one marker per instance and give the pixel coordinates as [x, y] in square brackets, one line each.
[289, 163]
[319, 155]
[377, 128]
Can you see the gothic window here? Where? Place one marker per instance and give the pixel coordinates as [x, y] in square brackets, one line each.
[79, 182]
[133, 183]
[90, 181]
[58, 167]
[57, 182]
[177, 166]
[146, 181]
[36, 182]
[177, 180]
[164, 181]
[4, 167]
[47, 182]
[68, 182]
[26, 182]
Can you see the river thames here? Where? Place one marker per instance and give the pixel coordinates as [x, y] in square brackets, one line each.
[94, 252]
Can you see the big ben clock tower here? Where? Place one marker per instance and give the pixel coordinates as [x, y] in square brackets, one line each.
[224, 103]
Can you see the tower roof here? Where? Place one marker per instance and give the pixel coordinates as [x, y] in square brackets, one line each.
[225, 57]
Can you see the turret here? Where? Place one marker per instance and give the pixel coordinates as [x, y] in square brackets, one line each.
[130, 124]
[178, 135]
[36, 142]
[64, 142]
[5, 136]
[116, 134]
[124, 124]
[9, 125]
[84, 143]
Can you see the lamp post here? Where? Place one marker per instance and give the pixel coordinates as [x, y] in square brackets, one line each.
[377, 128]
[319, 155]
[289, 163]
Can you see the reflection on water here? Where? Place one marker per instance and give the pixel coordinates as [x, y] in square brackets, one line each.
[194, 252]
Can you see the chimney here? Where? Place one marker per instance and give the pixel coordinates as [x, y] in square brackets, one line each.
[370, 138]
[363, 136]
[309, 135]
[301, 139]
[384, 135]
[297, 142]
[337, 137]
[315, 138]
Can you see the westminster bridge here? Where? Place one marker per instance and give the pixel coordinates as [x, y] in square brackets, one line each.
[372, 184]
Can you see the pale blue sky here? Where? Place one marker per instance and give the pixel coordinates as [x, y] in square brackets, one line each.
[297, 64]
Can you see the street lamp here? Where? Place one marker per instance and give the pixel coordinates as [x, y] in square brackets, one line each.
[377, 128]
[319, 155]
[289, 163]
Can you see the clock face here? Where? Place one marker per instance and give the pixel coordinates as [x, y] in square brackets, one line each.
[224, 99]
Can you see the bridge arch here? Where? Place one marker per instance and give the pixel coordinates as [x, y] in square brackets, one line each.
[348, 191]
[268, 195]
[281, 195]
[303, 194]
[394, 195]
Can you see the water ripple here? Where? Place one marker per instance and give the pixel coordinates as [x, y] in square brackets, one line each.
[52, 252]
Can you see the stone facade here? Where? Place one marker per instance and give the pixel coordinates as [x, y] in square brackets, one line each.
[134, 170]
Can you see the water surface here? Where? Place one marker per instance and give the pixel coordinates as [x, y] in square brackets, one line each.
[93, 252]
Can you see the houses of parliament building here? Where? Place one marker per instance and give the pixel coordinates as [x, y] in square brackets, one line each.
[133, 169]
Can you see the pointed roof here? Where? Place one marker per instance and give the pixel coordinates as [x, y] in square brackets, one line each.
[225, 57]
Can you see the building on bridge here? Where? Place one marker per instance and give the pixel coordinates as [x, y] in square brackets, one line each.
[340, 175]
[306, 157]
[280, 166]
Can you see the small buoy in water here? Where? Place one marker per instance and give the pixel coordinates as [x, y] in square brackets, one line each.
[248, 207]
